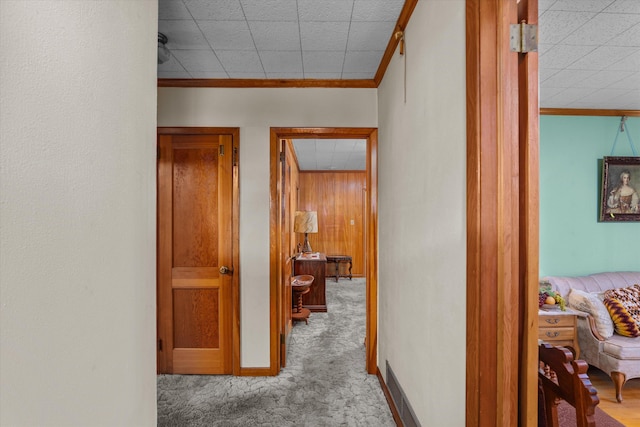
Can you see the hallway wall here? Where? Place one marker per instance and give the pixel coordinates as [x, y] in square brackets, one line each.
[254, 111]
[77, 213]
[422, 217]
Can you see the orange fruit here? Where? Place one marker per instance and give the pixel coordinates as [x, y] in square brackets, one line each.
[550, 300]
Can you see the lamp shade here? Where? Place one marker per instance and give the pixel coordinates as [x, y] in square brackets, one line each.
[306, 222]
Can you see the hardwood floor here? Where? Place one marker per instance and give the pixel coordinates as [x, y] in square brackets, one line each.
[627, 412]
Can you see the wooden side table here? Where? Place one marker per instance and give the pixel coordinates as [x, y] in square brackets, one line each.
[559, 328]
[314, 265]
[337, 259]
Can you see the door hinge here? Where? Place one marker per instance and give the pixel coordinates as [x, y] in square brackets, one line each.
[160, 345]
[235, 156]
[222, 150]
[158, 152]
[282, 339]
[282, 156]
[523, 37]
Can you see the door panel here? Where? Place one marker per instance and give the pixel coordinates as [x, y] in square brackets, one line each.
[194, 242]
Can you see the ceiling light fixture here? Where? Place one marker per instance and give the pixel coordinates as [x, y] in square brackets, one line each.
[163, 51]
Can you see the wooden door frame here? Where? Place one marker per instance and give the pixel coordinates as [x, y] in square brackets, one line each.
[371, 250]
[235, 209]
[502, 217]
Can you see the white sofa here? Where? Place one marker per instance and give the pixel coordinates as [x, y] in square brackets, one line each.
[617, 356]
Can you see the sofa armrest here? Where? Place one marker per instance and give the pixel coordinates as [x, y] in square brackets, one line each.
[592, 324]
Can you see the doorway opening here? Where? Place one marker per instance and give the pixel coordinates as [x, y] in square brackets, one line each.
[280, 260]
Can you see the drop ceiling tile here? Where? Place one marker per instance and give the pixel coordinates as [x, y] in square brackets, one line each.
[567, 97]
[630, 81]
[345, 145]
[246, 61]
[369, 35]
[603, 95]
[604, 79]
[624, 6]
[285, 75]
[324, 35]
[219, 10]
[325, 148]
[567, 78]
[246, 75]
[279, 61]
[172, 65]
[182, 34]
[229, 35]
[322, 76]
[275, 35]
[172, 9]
[198, 60]
[362, 62]
[545, 73]
[173, 75]
[630, 62]
[326, 10]
[544, 5]
[631, 37]
[602, 58]
[270, 10]
[305, 145]
[322, 62]
[209, 75]
[555, 25]
[359, 76]
[377, 10]
[561, 56]
[602, 28]
[549, 92]
[580, 5]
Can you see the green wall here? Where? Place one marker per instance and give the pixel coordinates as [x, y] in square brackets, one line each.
[572, 241]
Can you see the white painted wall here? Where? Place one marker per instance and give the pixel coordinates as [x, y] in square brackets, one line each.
[422, 219]
[77, 213]
[255, 111]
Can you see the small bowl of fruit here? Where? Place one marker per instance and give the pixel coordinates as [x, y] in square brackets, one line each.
[550, 300]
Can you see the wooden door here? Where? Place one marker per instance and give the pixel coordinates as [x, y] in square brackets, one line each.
[288, 205]
[195, 193]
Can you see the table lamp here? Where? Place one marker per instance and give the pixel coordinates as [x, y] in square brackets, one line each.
[306, 222]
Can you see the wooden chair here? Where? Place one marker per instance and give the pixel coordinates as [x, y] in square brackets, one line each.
[561, 377]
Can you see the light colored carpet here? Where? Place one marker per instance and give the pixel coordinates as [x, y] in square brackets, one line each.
[324, 383]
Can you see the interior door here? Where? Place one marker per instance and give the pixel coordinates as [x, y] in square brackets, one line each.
[195, 188]
[287, 208]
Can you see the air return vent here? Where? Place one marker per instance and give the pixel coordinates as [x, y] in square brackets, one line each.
[400, 400]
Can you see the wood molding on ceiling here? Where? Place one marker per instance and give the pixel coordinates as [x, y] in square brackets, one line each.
[401, 24]
[587, 112]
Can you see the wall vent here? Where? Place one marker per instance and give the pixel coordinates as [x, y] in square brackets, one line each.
[405, 411]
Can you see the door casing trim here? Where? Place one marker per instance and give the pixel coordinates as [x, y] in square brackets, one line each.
[371, 250]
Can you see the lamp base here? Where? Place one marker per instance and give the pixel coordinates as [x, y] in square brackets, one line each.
[306, 247]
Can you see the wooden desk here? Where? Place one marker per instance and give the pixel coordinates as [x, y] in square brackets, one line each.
[337, 259]
[559, 328]
[315, 299]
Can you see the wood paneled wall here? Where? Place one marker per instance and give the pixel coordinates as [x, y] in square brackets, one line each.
[339, 199]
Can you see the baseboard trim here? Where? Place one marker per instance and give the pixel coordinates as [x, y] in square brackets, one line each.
[255, 372]
[390, 402]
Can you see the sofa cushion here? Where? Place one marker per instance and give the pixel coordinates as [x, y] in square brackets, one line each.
[630, 299]
[622, 347]
[623, 323]
[590, 303]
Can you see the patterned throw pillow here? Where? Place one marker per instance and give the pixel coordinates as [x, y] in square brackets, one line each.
[623, 322]
[630, 299]
[590, 303]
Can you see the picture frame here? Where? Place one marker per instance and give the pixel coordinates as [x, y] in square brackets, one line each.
[620, 189]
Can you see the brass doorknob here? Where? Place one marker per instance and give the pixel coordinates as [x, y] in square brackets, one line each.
[226, 270]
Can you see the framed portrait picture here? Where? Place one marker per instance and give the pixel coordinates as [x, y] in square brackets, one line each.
[619, 199]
